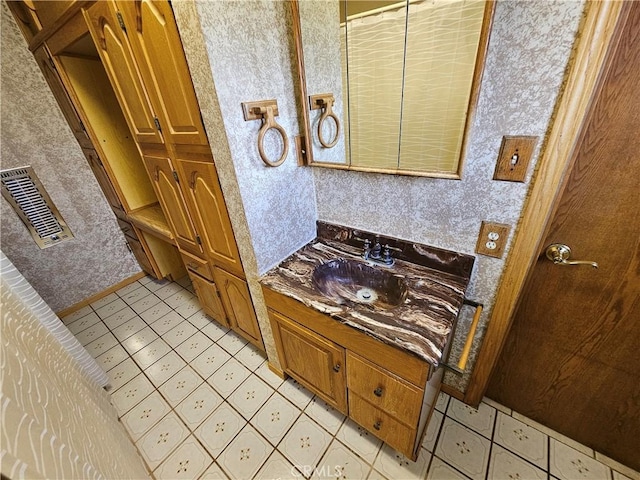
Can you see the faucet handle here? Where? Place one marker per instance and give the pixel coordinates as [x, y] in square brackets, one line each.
[386, 254]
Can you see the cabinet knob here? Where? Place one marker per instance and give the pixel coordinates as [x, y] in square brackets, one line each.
[336, 367]
[377, 425]
[378, 392]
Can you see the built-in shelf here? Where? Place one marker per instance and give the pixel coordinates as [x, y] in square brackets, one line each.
[151, 220]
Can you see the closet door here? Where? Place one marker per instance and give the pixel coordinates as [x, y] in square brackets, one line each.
[206, 203]
[155, 41]
[117, 58]
[165, 181]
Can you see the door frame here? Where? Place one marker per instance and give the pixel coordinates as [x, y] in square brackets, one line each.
[589, 59]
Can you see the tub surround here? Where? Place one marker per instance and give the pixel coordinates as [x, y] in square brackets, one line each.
[422, 324]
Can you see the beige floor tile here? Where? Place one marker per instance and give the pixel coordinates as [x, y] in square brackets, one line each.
[442, 402]
[157, 444]
[567, 463]
[72, 317]
[209, 361]
[618, 467]
[324, 414]
[480, 420]
[122, 373]
[120, 317]
[265, 373]
[156, 312]
[198, 405]
[217, 431]
[305, 444]
[189, 308]
[132, 393]
[187, 462]
[228, 377]
[250, 396]
[245, 454]
[128, 328]
[232, 342]
[104, 301]
[179, 334]
[250, 357]
[194, 346]
[497, 406]
[433, 429]
[145, 415]
[340, 462]
[199, 319]
[464, 449]
[83, 323]
[276, 467]
[180, 385]
[505, 464]
[214, 330]
[359, 440]
[522, 439]
[139, 340]
[134, 295]
[92, 333]
[111, 308]
[168, 289]
[165, 368]
[440, 470]
[166, 322]
[128, 289]
[214, 472]
[112, 357]
[151, 353]
[145, 303]
[101, 344]
[275, 417]
[296, 393]
[394, 465]
[178, 299]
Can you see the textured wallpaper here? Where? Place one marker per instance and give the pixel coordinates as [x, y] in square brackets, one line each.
[35, 133]
[527, 57]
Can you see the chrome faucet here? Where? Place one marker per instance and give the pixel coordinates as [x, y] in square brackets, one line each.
[378, 254]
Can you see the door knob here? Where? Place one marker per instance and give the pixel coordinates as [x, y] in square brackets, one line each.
[560, 254]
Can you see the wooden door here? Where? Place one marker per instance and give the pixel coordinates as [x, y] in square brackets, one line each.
[238, 305]
[203, 194]
[155, 40]
[164, 179]
[118, 61]
[209, 299]
[317, 363]
[571, 358]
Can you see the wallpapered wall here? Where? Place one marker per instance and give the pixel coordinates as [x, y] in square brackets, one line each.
[35, 133]
[528, 53]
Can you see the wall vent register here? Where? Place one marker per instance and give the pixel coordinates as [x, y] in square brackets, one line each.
[26, 194]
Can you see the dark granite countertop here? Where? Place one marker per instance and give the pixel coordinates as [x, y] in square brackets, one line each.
[421, 324]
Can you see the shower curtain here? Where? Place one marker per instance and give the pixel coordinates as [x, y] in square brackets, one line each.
[56, 420]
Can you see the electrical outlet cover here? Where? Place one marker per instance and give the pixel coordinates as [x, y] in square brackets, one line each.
[492, 239]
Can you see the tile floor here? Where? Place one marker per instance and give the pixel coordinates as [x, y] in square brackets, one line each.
[201, 403]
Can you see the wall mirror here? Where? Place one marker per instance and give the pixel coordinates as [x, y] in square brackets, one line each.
[388, 86]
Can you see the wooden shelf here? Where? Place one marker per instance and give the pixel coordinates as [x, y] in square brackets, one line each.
[151, 220]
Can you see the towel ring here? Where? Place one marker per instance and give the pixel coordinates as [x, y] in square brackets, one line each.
[325, 102]
[267, 110]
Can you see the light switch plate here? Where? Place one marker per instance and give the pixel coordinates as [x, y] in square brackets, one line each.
[513, 160]
[492, 239]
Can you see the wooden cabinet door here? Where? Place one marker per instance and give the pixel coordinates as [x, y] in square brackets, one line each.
[163, 177]
[122, 70]
[103, 180]
[50, 73]
[155, 40]
[204, 198]
[239, 307]
[209, 297]
[314, 361]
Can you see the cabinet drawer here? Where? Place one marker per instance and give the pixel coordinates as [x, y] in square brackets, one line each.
[382, 425]
[384, 390]
[197, 265]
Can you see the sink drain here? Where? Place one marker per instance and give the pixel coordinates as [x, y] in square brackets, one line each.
[366, 295]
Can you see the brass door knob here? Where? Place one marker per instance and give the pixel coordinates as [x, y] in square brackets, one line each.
[559, 254]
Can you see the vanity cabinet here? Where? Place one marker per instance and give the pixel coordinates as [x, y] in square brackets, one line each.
[317, 363]
[236, 299]
[209, 298]
[386, 390]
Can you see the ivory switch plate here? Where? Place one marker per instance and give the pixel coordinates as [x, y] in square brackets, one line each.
[492, 239]
[513, 160]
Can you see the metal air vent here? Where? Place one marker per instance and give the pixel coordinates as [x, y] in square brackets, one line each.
[23, 190]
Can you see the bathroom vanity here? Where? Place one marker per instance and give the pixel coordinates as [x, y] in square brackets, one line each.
[365, 322]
